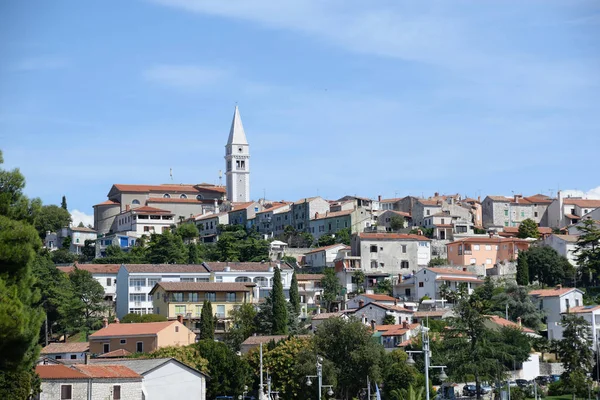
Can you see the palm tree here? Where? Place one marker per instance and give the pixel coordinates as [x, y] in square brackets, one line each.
[407, 394]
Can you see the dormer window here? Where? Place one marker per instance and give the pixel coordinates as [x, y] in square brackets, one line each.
[166, 196]
[199, 197]
[183, 196]
[135, 202]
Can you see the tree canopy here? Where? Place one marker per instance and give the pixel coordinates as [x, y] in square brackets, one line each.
[528, 228]
[546, 266]
[207, 322]
[588, 251]
[331, 287]
[280, 316]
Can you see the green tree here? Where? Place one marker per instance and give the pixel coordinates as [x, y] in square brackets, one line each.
[51, 218]
[229, 372]
[280, 314]
[389, 320]
[187, 231]
[588, 251]
[522, 271]
[349, 346]
[528, 229]
[243, 325]
[207, 322]
[326, 240]
[358, 278]
[547, 266]
[137, 318]
[438, 261]
[63, 203]
[396, 223]
[343, 236]
[89, 250]
[294, 295]
[397, 374]
[519, 305]
[193, 256]
[166, 248]
[90, 295]
[575, 352]
[384, 287]
[331, 287]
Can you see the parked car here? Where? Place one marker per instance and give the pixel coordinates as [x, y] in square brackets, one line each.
[469, 390]
[543, 380]
[484, 388]
[523, 383]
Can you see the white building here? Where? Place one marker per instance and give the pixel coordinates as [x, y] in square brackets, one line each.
[144, 220]
[565, 245]
[237, 161]
[70, 352]
[324, 256]
[555, 302]
[78, 235]
[105, 274]
[565, 211]
[164, 378]
[428, 282]
[207, 225]
[125, 241]
[272, 221]
[366, 298]
[373, 314]
[85, 382]
[592, 315]
[593, 215]
[310, 289]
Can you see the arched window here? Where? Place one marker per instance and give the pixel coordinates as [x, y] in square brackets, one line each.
[261, 281]
[199, 197]
[135, 202]
[183, 196]
[167, 196]
[243, 279]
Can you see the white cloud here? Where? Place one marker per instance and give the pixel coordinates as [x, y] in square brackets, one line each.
[184, 76]
[80, 216]
[590, 194]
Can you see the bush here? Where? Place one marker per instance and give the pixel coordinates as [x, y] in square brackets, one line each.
[556, 389]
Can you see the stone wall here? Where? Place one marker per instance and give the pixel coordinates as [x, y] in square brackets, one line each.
[439, 249]
[506, 270]
[551, 368]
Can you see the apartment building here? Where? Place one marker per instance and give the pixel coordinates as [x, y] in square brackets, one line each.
[105, 274]
[429, 282]
[485, 250]
[144, 220]
[272, 221]
[554, 302]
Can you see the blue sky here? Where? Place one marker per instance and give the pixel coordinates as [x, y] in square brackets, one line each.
[337, 97]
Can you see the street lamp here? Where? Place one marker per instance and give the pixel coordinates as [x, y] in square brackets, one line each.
[426, 352]
[243, 397]
[319, 377]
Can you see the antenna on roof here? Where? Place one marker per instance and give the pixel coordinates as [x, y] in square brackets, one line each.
[220, 177]
[171, 173]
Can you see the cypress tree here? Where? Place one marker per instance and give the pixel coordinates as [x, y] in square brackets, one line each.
[294, 296]
[193, 254]
[207, 322]
[280, 317]
[63, 203]
[522, 270]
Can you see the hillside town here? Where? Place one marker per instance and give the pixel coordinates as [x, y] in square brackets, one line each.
[198, 291]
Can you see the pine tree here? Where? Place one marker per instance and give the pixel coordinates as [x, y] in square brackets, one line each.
[207, 322]
[522, 270]
[63, 203]
[294, 296]
[280, 317]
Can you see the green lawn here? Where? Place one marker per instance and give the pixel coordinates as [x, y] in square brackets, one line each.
[563, 397]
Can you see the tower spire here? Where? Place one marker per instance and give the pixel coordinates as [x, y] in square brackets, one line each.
[237, 161]
[236, 133]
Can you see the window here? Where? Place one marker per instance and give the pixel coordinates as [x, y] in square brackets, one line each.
[137, 282]
[176, 328]
[123, 341]
[488, 247]
[403, 264]
[186, 280]
[506, 223]
[230, 297]
[404, 248]
[535, 214]
[428, 212]
[506, 213]
[108, 282]
[576, 302]
[66, 392]
[243, 279]
[58, 357]
[183, 196]
[105, 347]
[473, 261]
[219, 279]
[153, 281]
[193, 297]
[139, 347]
[177, 296]
[221, 311]
[567, 303]
[522, 214]
[443, 222]
[488, 261]
[475, 247]
[73, 356]
[373, 248]
[180, 309]
[117, 392]
[210, 296]
[166, 196]
[420, 284]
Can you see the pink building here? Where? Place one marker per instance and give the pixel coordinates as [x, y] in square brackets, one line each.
[485, 251]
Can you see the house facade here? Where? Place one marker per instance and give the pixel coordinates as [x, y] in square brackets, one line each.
[303, 210]
[310, 289]
[385, 218]
[565, 245]
[70, 352]
[592, 315]
[432, 282]
[208, 224]
[485, 250]
[243, 213]
[272, 221]
[324, 256]
[105, 274]
[566, 211]
[144, 220]
[501, 211]
[554, 302]
[78, 236]
[374, 313]
[140, 337]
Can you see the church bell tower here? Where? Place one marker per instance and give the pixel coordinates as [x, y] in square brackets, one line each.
[237, 161]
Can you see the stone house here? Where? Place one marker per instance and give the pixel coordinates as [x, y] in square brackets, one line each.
[384, 219]
[303, 210]
[208, 225]
[501, 211]
[242, 213]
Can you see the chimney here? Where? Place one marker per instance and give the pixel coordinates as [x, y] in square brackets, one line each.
[180, 319]
[436, 194]
[127, 207]
[479, 199]
[117, 320]
[373, 324]
[558, 287]
[404, 324]
[105, 322]
[519, 321]
[361, 303]
[379, 198]
[86, 358]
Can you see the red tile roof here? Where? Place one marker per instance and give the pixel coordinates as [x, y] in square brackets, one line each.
[583, 203]
[309, 277]
[205, 286]
[167, 268]
[459, 279]
[133, 329]
[93, 268]
[115, 354]
[430, 203]
[168, 187]
[432, 313]
[333, 214]
[209, 216]
[551, 292]
[178, 200]
[150, 210]
[107, 371]
[326, 315]
[58, 372]
[572, 216]
[241, 206]
[82, 229]
[72, 347]
[395, 330]
[245, 266]
[379, 297]
[325, 248]
[108, 203]
[393, 200]
[494, 240]
[450, 271]
[391, 236]
[504, 322]
[391, 307]
[583, 309]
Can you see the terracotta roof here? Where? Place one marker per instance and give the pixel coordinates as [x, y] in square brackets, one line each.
[568, 238]
[401, 213]
[325, 248]
[583, 203]
[432, 313]
[572, 216]
[539, 199]
[93, 268]
[115, 354]
[206, 286]
[333, 214]
[166, 268]
[504, 322]
[209, 216]
[245, 266]
[309, 277]
[430, 203]
[72, 347]
[266, 339]
[379, 297]
[458, 279]
[150, 210]
[58, 372]
[326, 315]
[241, 206]
[274, 206]
[82, 229]
[178, 200]
[168, 187]
[551, 292]
[395, 330]
[107, 371]
[392, 236]
[583, 309]
[305, 200]
[390, 307]
[393, 200]
[495, 240]
[132, 329]
[450, 271]
[108, 203]
[444, 225]
[544, 230]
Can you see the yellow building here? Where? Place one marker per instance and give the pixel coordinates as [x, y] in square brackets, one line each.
[185, 299]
